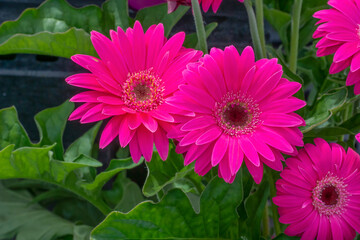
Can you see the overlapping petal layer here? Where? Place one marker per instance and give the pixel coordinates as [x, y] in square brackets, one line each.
[318, 193]
[339, 30]
[242, 112]
[129, 84]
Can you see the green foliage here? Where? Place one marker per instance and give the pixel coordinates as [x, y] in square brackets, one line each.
[20, 217]
[191, 40]
[174, 217]
[58, 29]
[171, 171]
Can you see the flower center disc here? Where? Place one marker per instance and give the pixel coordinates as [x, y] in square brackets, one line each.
[143, 91]
[237, 114]
[330, 195]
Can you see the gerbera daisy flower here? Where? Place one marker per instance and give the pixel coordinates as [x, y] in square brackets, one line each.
[243, 111]
[318, 193]
[173, 4]
[129, 84]
[339, 30]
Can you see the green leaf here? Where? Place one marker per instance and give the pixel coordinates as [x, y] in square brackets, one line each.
[324, 108]
[51, 125]
[280, 21]
[11, 130]
[254, 206]
[352, 124]
[327, 132]
[282, 236]
[115, 166]
[162, 173]
[191, 40]
[20, 218]
[37, 163]
[58, 29]
[174, 217]
[83, 145]
[158, 14]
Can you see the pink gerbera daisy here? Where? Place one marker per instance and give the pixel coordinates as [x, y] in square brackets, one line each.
[242, 111]
[318, 193]
[173, 4]
[129, 84]
[339, 31]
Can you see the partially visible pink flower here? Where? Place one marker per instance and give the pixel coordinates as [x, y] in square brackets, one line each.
[318, 193]
[339, 30]
[240, 111]
[358, 137]
[140, 4]
[130, 84]
[173, 4]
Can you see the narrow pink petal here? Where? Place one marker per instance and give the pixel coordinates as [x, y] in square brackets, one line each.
[162, 115]
[280, 120]
[85, 80]
[210, 135]
[236, 155]
[149, 122]
[202, 164]
[135, 149]
[125, 134]
[146, 141]
[249, 150]
[355, 63]
[262, 148]
[290, 104]
[224, 169]
[256, 172]
[139, 50]
[191, 137]
[94, 114]
[155, 43]
[172, 46]
[324, 232]
[86, 61]
[231, 66]
[80, 111]
[210, 83]
[194, 152]
[353, 78]
[134, 121]
[219, 149]
[336, 228]
[273, 139]
[214, 69]
[161, 143]
[111, 100]
[345, 51]
[88, 96]
[113, 110]
[198, 123]
[110, 131]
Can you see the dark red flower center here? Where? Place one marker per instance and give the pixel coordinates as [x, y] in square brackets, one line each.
[236, 115]
[143, 91]
[329, 195]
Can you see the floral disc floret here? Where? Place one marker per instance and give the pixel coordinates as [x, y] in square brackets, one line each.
[143, 91]
[330, 195]
[237, 114]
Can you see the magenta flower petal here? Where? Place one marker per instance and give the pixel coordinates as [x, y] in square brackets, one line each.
[231, 96]
[339, 30]
[323, 207]
[130, 84]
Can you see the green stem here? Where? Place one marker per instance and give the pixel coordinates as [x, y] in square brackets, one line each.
[199, 24]
[254, 30]
[295, 25]
[266, 225]
[259, 8]
[274, 211]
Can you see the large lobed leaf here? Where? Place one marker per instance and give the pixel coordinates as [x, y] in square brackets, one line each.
[174, 216]
[58, 29]
[20, 217]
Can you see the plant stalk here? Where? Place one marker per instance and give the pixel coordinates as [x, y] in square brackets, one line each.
[254, 30]
[266, 225]
[259, 10]
[294, 44]
[199, 24]
[274, 211]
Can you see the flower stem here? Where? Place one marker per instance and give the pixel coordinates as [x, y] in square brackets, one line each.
[266, 226]
[199, 24]
[254, 30]
[274, 211]
[259, 8]
[294, 44]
